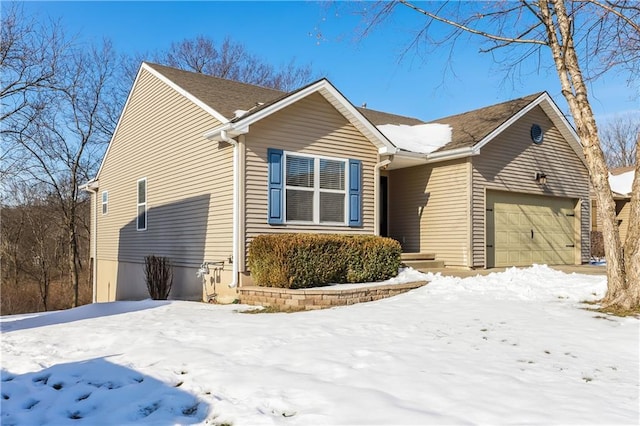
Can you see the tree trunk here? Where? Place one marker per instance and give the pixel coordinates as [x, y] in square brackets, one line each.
[631, 298]
[621, 287]
[73, 260]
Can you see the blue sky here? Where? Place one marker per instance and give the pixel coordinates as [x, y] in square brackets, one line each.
[368, 70]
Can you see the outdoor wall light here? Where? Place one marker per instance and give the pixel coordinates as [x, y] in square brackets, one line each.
[541, 178]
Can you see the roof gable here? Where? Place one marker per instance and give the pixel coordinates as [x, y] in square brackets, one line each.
[239, 104]
[240, 124]
[472, 127]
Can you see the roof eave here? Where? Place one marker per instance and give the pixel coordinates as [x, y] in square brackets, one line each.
[90, 186]
[405, 159]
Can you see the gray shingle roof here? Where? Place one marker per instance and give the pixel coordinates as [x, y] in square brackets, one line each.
[471, 127]
[228, 96]
[379, 118]
[224, 96]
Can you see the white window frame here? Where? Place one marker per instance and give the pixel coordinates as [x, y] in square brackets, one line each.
[316, 189]
[144, 205]
[105, 203]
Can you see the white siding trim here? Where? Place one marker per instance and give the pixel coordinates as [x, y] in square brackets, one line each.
[326, 89]
[169, 83]
[470, 214]
[115, 131]
[184, 93]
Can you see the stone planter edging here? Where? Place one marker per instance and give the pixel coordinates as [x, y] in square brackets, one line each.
[304, 299]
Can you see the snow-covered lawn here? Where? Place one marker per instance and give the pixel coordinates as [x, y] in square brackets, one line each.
[507, 348]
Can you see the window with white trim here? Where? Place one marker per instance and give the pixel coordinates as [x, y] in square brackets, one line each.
[141, 222]
[315, 189]
[105, 202]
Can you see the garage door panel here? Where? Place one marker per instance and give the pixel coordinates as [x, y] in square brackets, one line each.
[537, 256]
[502, 257]
[531, 229]
[501, 237]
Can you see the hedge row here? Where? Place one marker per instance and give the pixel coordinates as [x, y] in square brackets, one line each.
[313, 260]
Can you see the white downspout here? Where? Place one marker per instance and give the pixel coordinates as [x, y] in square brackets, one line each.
[376, 195]
[236, 177]
[94, 237]
[94, 231]
[94, 248]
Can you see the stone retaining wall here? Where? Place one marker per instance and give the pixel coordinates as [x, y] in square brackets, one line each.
[302, 299]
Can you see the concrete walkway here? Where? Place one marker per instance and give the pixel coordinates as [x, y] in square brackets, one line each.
[463, 273]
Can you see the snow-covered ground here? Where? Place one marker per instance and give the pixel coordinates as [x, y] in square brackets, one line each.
[507, 348]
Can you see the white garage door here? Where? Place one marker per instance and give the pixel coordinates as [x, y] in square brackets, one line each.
[525, 229]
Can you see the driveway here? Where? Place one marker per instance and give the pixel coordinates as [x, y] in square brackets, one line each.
[460, 272]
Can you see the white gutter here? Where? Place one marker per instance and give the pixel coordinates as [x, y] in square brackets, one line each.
[223, 136]
[452, 154]
[376, 189]
[91, 188]
[434, 157]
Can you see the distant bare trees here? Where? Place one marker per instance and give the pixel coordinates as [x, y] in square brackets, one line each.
[619, 137]
[59, 111]
[34, 252]
[232, 60]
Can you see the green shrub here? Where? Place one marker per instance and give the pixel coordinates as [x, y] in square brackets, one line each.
[313, 260]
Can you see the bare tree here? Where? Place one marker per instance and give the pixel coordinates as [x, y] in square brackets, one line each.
[231, 60]
[63, 142]
[583, 38]
[619, 136]
[43, 242]
[29, 57]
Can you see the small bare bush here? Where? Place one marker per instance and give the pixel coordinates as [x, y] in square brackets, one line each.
[159, 275]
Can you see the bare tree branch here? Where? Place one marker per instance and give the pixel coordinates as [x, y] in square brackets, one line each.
[470, 29]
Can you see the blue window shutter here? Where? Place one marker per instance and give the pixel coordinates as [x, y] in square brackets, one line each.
[355, 193]
[276, 216]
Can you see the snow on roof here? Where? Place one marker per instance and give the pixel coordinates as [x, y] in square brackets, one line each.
[621, 183]
[421, 138]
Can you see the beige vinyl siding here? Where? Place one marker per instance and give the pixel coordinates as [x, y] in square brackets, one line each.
[623, 211]
[596, 222]
[310, 126]
[429, 210]
[509, 163]
[189, 181]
